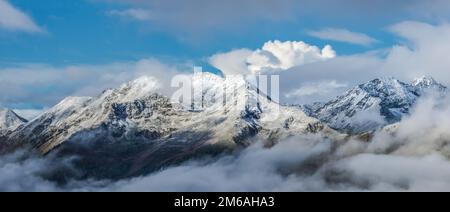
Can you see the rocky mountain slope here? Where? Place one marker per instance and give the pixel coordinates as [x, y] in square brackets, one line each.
[374, 104]
[9, 121]
[133, 130]
[147, 130]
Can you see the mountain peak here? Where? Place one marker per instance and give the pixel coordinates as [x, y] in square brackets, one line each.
[384, 81]
[385, 87]
[141, 85]
[130, 91]
[424, 80]
[227, 110]
[9, 120]
[386, 98]
[427, 82]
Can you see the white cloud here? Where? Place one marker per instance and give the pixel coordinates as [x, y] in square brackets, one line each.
[423, 133]
[277, 55]
[397, 173]
[424, 51]
[273, 56]
[137, 14]
[13, 19]
[22, 175]
[343, 35]
[232, 63]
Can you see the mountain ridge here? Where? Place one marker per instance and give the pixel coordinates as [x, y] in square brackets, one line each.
[146, 131]
[383, 101]
[150, 131]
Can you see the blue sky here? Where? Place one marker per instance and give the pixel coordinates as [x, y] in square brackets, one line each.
[82, 31]
[50, 49]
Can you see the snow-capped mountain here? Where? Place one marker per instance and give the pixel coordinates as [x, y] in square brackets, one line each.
[374, 104]
[424, 84]
[9, 121]
[133, 130]
[148, 130]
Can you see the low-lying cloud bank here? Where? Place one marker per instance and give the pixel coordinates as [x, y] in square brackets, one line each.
[410, 156]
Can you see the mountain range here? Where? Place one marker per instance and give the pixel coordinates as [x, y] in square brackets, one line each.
[374, 104]
[132, 130]
[147, 131]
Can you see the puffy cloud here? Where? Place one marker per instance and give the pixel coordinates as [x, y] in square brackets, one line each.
[423, 133]
[343, 35]
[273, 56]
[232, 63]
[13, 19]
[277, 55]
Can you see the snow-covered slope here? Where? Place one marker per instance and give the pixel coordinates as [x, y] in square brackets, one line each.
[133, 112]
[132, 130]
[9, 121]
[113, 115]
[426, 83]
[372, 105]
